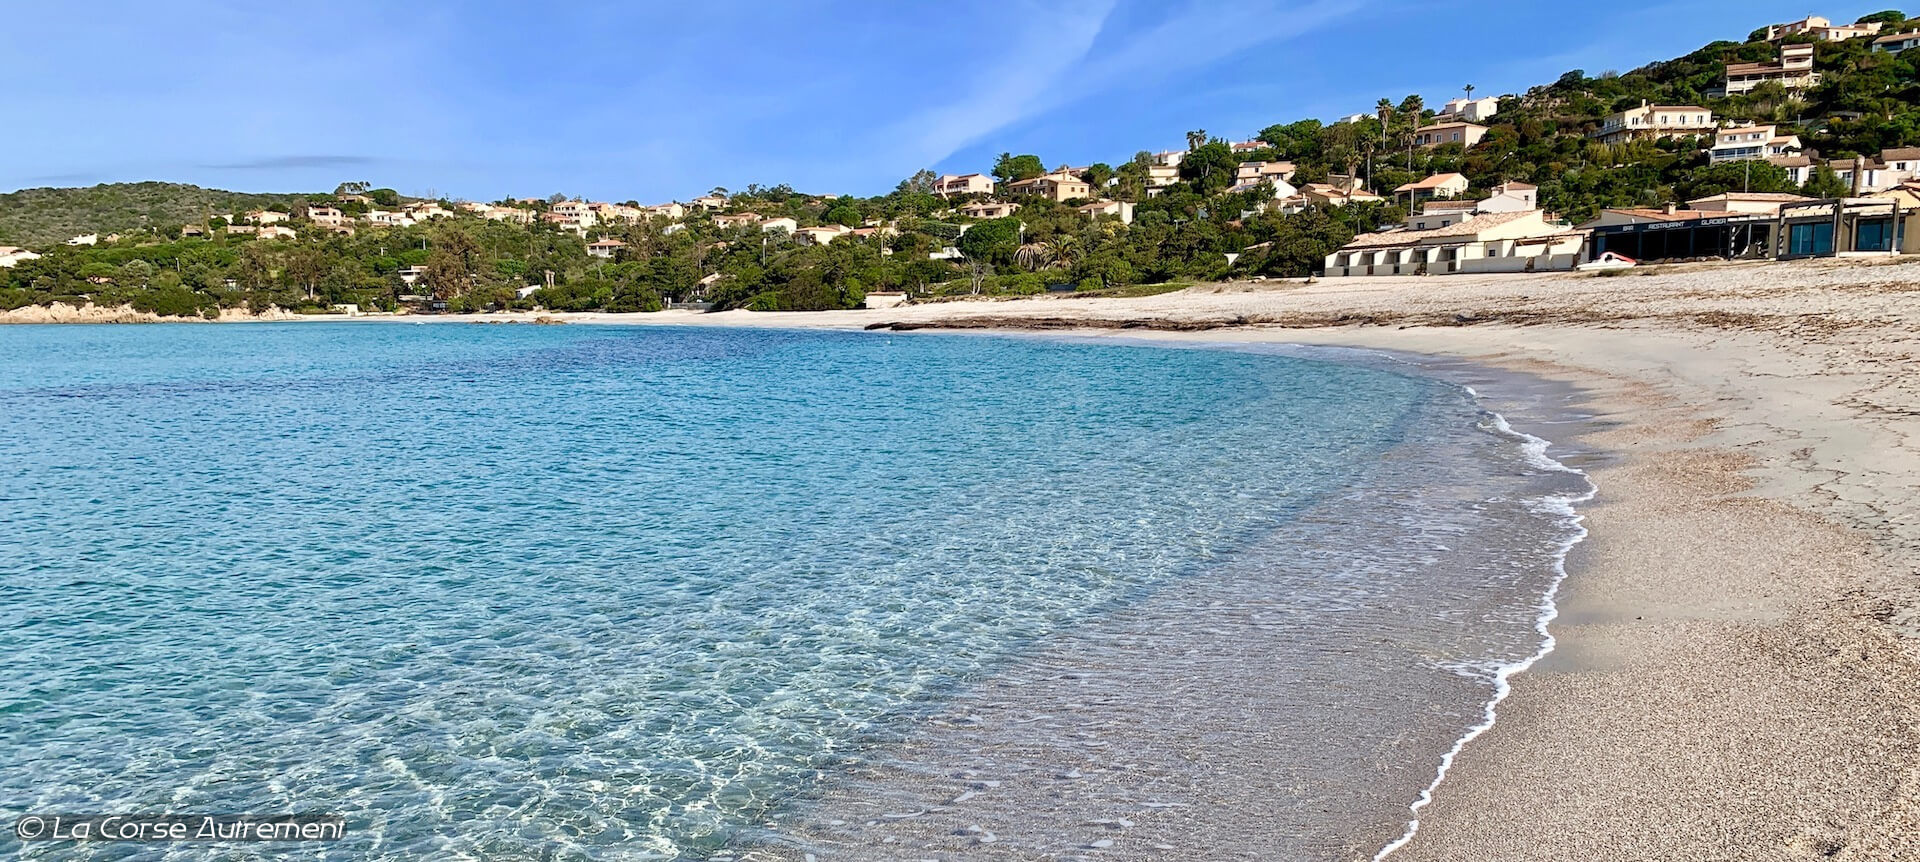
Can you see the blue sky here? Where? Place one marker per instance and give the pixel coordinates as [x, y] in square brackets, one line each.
[655, 101]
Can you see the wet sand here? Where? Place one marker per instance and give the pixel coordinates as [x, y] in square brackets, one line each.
[1736, 674]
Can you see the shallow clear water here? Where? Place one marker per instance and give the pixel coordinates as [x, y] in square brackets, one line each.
[623, 592]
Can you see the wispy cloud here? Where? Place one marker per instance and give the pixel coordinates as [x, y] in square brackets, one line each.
[1008, 87]
[1074, 58]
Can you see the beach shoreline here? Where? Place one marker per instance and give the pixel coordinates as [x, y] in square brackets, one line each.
[1735, 675]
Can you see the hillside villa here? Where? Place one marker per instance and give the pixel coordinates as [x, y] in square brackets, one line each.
[963, 184]
[1820, 29]
[1751, 142]
[779, 223]
[1282, 171]
[1794, 71]
[604, 247]
[1121, 209]
[1464, 134]
[1894, 43]
[10, 255]
[989, 209]
[1654, 121]
[1497, 242]
[821, 235]
[1469, 110]
[1059, 186]
[710, 202]
[1327, 194]
[1447, 185]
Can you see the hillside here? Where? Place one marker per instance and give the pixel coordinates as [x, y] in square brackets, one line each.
[40, 217]
[1273, 206]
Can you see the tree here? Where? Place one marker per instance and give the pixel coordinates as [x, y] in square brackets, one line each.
[1209, 168]
[1011, 168]
[1195, 139]
[1097, 175]
[993, 240]
[842, 214]
[1890, 17]
[920, 183]
[1747, 175]
[306, 266]
[452, 265]
[1824, 183]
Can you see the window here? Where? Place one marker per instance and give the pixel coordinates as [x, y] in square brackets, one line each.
[1810, 239]
[1873, 235]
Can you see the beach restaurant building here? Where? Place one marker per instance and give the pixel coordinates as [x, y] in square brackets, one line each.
[1670, 234]
[1883, 224]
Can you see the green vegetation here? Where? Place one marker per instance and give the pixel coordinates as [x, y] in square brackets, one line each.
[914, 241]
[41, 217]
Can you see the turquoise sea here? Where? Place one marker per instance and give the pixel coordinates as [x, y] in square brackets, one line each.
[629, 592]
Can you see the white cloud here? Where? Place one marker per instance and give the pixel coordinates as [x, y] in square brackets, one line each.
[1056, 63]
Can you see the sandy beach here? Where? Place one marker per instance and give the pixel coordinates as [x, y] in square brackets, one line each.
[1735, 676]
[1736, 671]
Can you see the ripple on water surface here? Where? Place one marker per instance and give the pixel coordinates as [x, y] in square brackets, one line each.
[625, 591]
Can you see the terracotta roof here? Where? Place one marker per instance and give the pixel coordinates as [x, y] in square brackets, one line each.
[1443, 206]
[1517, 185]
[1467, 228]
[1432, 182]
[1749, 68]
[1901, 154]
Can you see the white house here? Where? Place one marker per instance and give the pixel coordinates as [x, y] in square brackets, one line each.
[1509, 197]
[1894, 43]
[1654, 121]
[10, 255]
[1496, 242]
[963, 184]
[1122, 209]
[1262, 170]
[1821, 29]
[988, 209]
[605, 247]
[1470, 110]
[1751, 142]
[1794, 71]
[821, 235]
[780, 223]
[1280, 189]
[1446, 185]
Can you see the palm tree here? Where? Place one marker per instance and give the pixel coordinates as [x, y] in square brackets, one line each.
[1034, 255]
[1195, 138]
[1063, 250]
[1384, 110]
[1469, 92]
